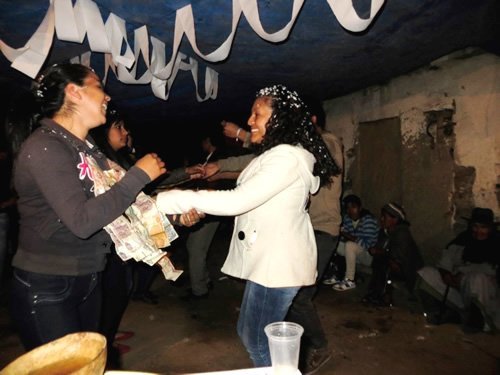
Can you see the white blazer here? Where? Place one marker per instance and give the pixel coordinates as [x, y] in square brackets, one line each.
[273, 240]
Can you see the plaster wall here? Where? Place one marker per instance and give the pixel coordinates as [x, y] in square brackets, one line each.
[447, 179]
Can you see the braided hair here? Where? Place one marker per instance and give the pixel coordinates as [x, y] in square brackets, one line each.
[290, 123]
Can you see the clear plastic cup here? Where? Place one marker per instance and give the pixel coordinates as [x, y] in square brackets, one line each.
[284, 346]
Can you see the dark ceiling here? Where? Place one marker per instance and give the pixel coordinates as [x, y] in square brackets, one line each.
[320, 58]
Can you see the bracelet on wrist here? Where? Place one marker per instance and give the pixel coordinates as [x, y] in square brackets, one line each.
[238, 134]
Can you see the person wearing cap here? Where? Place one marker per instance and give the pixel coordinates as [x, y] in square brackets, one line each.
[465, 279]
[395, 256]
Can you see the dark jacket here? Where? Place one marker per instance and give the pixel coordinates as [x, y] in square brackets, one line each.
[61, 220]
[404, 250]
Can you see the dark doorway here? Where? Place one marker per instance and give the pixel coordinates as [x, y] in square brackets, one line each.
[379, 163]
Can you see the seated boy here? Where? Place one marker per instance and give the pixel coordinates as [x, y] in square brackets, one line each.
[358, 233]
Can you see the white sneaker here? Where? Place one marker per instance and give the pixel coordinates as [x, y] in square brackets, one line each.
[331, 281]
[344, 285]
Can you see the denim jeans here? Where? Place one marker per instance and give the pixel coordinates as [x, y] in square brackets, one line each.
[303, 310]
[46, 307]
[261, 306]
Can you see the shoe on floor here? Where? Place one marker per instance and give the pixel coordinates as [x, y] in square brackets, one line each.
[122, 349]
[316, 358]
[123, 335]
[344, 285]
[331, 281]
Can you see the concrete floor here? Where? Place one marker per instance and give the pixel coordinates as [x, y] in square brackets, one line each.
[178, 336]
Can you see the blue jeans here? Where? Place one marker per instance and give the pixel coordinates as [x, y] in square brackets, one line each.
[46, 307]
[261, 306]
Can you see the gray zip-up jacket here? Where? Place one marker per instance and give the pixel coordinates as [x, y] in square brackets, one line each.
[61, 220]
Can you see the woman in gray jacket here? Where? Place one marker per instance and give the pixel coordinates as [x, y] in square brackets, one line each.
[62, 245]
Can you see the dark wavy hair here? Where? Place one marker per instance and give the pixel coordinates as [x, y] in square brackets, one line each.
[290, 123]
[44, 100]
[49, 86]
[100, 136]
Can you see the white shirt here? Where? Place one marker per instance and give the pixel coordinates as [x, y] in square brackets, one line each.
[273, 240]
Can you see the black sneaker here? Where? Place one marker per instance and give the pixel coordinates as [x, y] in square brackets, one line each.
[316, 358]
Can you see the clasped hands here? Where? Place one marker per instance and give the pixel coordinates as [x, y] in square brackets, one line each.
[203, 171]
[153, 166]
[188, 219]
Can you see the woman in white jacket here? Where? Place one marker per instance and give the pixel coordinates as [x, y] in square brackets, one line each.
[273, 245]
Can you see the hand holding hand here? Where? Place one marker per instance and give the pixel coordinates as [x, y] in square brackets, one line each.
[152, 165]
[191, 217]
[210, 169]
[195, 171]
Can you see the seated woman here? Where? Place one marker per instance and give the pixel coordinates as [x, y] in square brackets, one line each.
[273, 245]
[466, 277]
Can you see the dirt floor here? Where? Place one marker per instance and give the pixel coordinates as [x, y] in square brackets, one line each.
[179, 336]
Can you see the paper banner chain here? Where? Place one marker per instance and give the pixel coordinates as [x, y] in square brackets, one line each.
[72, 23]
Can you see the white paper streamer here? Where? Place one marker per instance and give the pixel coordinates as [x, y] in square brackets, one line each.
[30, 58]
[83, 59]
[73, 23]
[95, 27]
[347, 16]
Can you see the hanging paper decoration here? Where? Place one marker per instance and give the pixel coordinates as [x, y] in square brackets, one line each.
[72, 23]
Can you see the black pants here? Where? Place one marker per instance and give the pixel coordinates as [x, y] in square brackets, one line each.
[303, 310]
[382, 272]
[145, 275]
[116, 289]
[380, 275]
